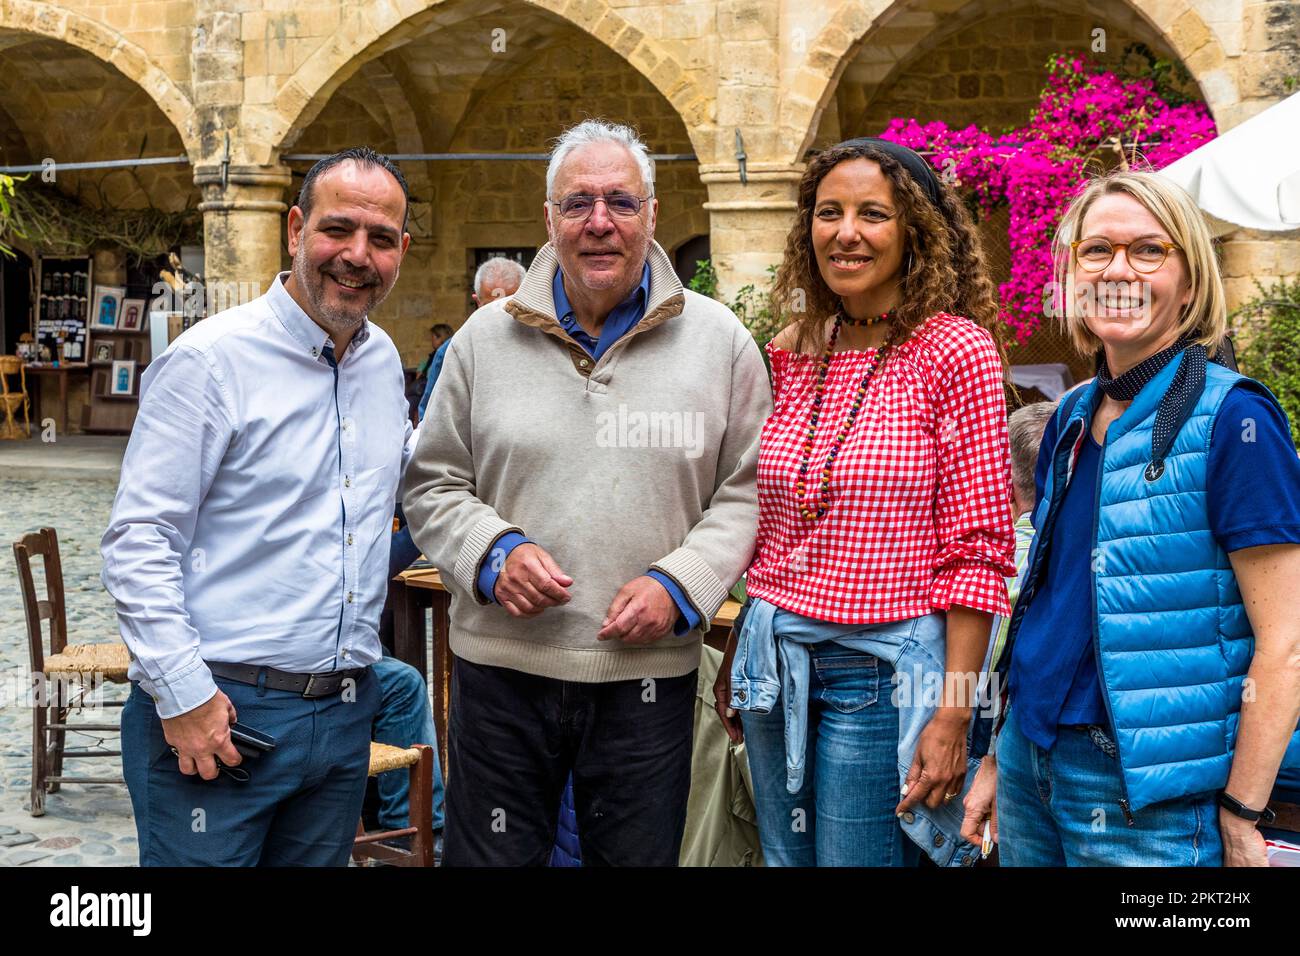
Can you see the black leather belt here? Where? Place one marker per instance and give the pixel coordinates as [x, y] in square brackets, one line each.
[309, 685]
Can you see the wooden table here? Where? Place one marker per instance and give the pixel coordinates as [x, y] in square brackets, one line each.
[62, 371]
[411, 592]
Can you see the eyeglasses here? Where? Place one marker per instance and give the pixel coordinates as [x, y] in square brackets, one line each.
[620, 205]
[1144, 255]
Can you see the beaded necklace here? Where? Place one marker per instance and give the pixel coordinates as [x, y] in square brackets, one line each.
[800, 487]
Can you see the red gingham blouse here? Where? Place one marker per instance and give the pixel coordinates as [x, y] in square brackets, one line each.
[920, 494]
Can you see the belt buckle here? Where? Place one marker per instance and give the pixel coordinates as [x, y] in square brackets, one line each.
[306, 691]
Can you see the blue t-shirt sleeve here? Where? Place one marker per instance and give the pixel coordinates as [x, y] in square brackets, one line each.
[495, 560]
[1253, 474]
[687, 618]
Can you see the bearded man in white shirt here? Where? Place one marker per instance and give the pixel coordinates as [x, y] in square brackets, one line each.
[248, 546]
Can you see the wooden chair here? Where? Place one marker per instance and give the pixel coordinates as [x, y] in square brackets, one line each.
[61, 677]
[418, 761]
[9, 430]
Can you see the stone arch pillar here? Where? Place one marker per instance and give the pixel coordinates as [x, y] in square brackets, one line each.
[242, 216]
[748, 222]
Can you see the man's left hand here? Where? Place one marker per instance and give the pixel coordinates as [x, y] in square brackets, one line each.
[641, 613]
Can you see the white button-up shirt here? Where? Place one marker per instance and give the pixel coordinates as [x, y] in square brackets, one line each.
[254, 515]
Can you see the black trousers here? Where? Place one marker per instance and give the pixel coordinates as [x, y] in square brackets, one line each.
[514, 739]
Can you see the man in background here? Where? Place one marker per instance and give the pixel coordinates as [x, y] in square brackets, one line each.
[498, 278]
[438, 335]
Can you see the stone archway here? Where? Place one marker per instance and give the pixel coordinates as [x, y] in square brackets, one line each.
[366, 35]
[897, 29]
[111, 47]
[438, 92]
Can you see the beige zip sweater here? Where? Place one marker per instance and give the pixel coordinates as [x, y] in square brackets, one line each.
[645, 458]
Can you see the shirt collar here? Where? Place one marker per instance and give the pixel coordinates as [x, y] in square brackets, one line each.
[302, 327]
[564, 311]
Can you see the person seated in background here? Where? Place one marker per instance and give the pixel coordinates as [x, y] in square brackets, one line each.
[498, 278]
[404, 719]
[1025, 433]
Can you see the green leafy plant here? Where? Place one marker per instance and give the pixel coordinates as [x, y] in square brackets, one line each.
[753, 306]
[1271, 323]
[7, 225]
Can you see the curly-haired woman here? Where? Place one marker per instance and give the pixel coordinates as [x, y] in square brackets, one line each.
[884, 520]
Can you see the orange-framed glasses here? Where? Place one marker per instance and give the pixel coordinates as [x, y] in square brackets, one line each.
[1144, 255]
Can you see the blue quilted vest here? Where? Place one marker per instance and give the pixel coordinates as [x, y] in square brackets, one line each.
[1172, 639]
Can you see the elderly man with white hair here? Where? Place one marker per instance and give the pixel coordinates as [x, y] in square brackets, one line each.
[496, 278]
[588, 491]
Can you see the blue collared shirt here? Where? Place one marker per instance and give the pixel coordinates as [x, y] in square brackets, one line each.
[620, 320]
[254, 515]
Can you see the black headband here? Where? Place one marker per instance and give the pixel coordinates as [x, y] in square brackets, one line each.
[917, 167]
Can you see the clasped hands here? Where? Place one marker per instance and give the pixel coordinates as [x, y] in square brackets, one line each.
[530, 581]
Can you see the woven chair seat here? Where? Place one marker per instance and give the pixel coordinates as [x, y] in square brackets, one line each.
[384, 757]
[111, 660]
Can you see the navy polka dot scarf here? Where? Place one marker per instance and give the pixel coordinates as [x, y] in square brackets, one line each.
[1176, 405]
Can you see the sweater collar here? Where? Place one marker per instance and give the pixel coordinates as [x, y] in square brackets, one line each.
[534, 303]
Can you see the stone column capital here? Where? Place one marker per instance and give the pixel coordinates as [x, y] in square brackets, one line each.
[246, 188]
[769, 187]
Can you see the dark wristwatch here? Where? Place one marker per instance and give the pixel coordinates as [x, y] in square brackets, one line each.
[1239, 809]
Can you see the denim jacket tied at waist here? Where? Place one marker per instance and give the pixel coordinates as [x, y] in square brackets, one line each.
[771, 664]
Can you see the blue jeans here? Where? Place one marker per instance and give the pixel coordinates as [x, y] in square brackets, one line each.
[404, 718]
[843, 813]
[1060, 807]
[300, 806]
[771, 672]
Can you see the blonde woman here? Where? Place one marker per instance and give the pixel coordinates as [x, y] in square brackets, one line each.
[1152, 656]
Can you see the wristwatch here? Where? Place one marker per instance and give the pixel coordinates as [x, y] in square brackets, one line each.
[1239, 809]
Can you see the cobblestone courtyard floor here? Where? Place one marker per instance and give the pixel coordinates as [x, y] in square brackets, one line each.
[84, 825]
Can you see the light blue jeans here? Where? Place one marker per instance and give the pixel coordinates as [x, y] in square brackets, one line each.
[405, 718]
[1060, 807]
[842, 813]
[772, 666]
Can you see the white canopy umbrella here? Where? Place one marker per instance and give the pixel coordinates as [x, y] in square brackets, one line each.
[1250, 175]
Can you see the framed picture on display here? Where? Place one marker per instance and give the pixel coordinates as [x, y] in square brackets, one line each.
[122, 381]
[133, 317]
[107, 307]
[103, 351]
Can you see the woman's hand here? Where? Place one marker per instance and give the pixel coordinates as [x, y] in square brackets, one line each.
[722, 693]
[939, 768]
[1243, 844]
[981, 804]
